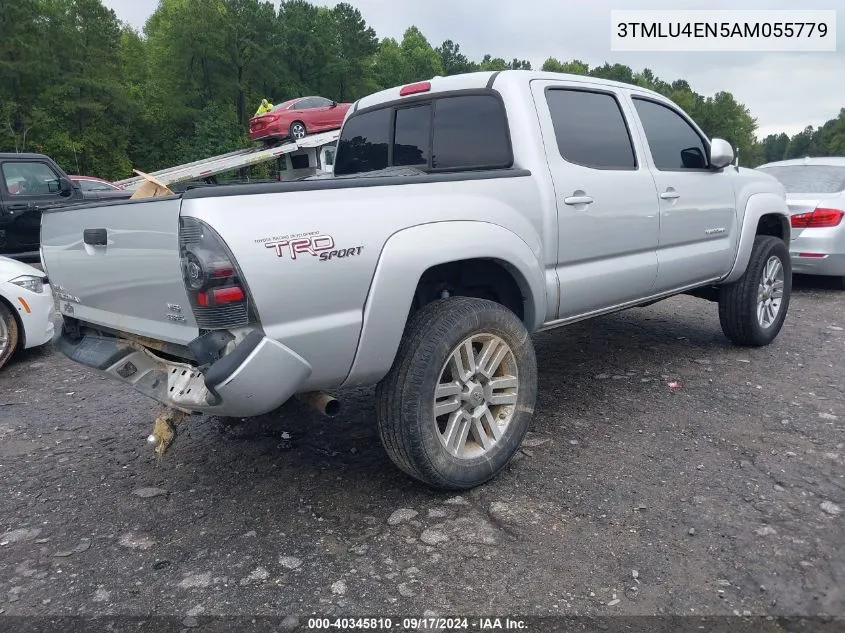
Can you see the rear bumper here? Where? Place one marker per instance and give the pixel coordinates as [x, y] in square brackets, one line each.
[259, 375]
[832, 265]
[269, 134]
[828, 246]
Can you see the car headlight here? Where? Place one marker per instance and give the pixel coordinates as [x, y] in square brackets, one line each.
[30, 282]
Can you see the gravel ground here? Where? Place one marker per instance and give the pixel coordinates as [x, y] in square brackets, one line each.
[724, 495]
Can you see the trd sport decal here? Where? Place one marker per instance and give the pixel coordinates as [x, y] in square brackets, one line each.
[297, 245]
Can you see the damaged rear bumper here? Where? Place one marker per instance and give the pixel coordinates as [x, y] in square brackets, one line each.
[259, 375]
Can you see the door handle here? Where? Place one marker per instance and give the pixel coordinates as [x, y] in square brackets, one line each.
[95, 237]
[573, 200]
[670, 194]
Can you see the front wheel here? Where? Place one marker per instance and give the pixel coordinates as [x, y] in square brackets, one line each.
[752, 309]
[8, 334]
[459, 398]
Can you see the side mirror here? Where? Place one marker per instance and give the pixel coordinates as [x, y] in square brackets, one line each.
[721, 153]
[65, 186]
[693, 158]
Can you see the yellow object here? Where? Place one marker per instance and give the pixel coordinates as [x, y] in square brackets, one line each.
[265, 107]
[164, 430]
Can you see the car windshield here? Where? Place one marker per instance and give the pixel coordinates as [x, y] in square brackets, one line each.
[809, 178]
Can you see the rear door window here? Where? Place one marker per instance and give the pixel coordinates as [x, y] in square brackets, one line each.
[590, 129]
[470, 132]
[304, 104]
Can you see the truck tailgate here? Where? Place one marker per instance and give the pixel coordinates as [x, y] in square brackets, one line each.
[119, 266]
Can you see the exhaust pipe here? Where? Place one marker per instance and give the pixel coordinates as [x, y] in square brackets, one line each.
[328, 405]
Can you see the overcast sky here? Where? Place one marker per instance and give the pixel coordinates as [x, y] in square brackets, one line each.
[784, 91]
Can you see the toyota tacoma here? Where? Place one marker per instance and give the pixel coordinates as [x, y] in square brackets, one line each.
[464, 214]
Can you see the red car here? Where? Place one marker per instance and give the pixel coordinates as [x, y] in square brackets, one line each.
[98, 189]
[297, 118]
[90, 183]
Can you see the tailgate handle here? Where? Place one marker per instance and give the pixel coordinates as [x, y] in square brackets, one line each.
[95, 237]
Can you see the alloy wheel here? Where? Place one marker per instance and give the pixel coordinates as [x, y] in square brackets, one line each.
[476, 395]
[770, 292]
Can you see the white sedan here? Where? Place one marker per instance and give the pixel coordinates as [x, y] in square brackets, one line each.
[26, 308]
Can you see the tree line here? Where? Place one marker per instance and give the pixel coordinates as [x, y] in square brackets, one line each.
[101, 98]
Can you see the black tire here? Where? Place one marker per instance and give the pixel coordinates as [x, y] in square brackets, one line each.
[295, 125]
[405, 397]
[10, 328]
[738, 300]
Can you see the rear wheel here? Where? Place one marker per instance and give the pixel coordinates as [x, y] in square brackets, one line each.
[298, 131]
[753, 308]
[459, 398]
[9, 335]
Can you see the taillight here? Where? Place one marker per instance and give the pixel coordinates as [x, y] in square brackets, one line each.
[222, 270]
[817, 219]
[263, 121]
[219, 297]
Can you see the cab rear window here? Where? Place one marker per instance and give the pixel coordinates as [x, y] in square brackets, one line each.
[363, 144]
[447, 133]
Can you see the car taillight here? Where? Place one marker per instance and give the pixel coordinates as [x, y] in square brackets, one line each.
[819, 218]
[218, 294]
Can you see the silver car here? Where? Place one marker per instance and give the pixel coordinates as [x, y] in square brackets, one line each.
[815, 192]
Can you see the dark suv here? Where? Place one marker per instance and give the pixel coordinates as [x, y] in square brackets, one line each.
[29, 183]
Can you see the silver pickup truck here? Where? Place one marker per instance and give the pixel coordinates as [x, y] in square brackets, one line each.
[464, 213]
